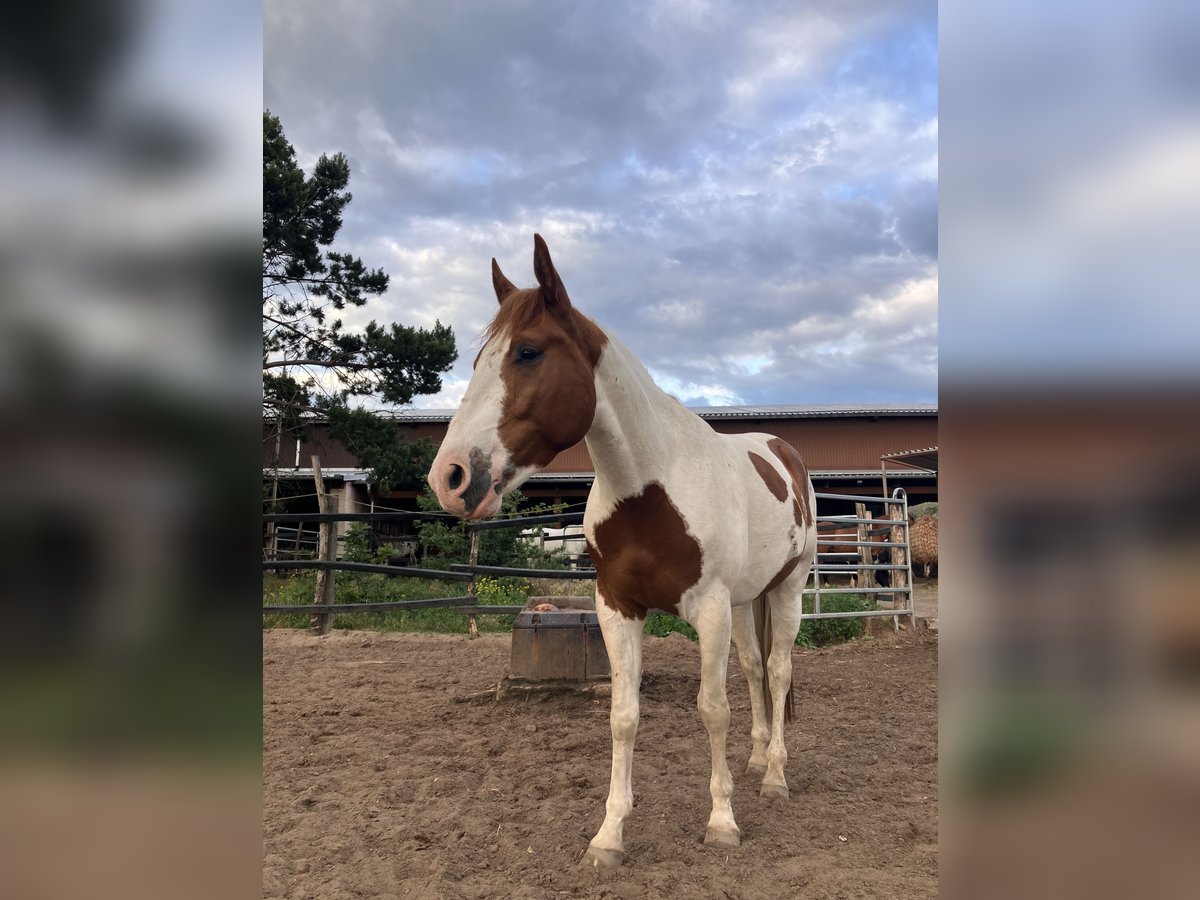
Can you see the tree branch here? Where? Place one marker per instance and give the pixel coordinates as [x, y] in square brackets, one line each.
[324, 363]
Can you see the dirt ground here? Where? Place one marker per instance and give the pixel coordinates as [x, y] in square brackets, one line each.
[925, 597]
[384, 775]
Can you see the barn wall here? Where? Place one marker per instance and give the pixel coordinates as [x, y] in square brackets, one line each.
[333, 455]
[826, 443]
[844, 443]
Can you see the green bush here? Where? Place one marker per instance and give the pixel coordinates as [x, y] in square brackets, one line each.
[502, 591]
[444, 542]
[356, 546]
[822, 632]
[813, 632]
[660, 624]
[352, 587]
[370, 588]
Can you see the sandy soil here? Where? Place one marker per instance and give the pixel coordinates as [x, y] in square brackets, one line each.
[385, 777]
[925, 597]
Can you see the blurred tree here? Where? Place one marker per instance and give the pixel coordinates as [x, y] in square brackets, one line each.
[313, 365]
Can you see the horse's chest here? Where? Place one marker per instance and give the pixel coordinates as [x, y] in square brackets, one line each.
[645, 556]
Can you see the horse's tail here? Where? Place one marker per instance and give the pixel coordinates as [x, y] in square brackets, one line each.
[764, 634]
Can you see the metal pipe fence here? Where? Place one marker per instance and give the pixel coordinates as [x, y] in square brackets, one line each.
[895, 518]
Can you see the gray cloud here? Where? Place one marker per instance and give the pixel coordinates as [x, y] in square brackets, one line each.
[717, 181]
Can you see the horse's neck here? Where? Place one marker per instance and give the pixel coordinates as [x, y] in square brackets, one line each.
[639, 429]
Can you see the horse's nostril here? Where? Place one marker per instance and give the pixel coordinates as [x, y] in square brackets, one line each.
[456, 477]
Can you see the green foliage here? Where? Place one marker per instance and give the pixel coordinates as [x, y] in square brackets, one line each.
[813, 632]
[447, 541]
[353, 587]
[502, 591]
[660, 624]
[395, 463]
[357, 546]
[822, 632]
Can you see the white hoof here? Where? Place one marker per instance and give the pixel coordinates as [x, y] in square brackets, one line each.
[604, 857]
[722, 840]
[773, 791]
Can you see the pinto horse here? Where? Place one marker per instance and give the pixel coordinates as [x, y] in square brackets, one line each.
[715, 528]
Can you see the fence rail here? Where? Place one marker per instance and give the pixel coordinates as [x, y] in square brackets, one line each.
[322, 609]
[375, 568]
[357, 517]
[574, 574]
[383, 606]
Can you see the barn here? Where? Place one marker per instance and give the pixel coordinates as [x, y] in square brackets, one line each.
[842, 444]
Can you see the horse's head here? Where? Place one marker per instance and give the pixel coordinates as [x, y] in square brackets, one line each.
[533, 393]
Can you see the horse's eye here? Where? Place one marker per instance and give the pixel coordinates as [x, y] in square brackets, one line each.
[528, 354]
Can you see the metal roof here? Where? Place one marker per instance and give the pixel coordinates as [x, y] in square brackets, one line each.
[419, 415]
[795, 410]
[814, 473]
[920, 459]
[782, 411]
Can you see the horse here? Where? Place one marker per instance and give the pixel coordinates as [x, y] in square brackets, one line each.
[569, 540]
[718, 529]
[838, 546]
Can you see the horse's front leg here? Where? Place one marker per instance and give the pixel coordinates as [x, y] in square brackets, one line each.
[713, 627]
[623, 641]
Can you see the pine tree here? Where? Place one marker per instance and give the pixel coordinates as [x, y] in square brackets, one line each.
[313, 364]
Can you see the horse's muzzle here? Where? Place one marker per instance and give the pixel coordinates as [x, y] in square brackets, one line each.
[466, 487]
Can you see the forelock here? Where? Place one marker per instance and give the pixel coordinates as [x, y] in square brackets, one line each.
[520, 309]
[524, 309]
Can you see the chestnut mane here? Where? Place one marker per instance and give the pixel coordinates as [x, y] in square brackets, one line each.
[523, 309]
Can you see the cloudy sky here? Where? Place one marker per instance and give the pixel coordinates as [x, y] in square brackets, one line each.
[745, 193]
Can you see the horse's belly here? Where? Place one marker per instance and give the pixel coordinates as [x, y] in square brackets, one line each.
[773, 554]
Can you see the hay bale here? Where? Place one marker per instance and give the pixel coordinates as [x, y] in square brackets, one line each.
[923, 509]
[923, 537]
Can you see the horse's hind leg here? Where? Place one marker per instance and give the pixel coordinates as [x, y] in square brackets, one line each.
[623, 641]
[745, 635]
[785, 625]
[714, 632]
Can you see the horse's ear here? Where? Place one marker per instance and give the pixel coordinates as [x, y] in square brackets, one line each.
[547, 275]
[503, 286]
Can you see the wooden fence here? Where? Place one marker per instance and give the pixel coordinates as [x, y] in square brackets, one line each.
[324, 603]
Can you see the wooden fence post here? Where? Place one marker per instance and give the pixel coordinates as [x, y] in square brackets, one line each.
[272, 547]
[321, 623]
[866, 577]
[471, 620]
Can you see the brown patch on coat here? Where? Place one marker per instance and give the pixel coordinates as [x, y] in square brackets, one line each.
[794, 464]
[644, 556]
[549, 402]
[766, 471]
[787, 569]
